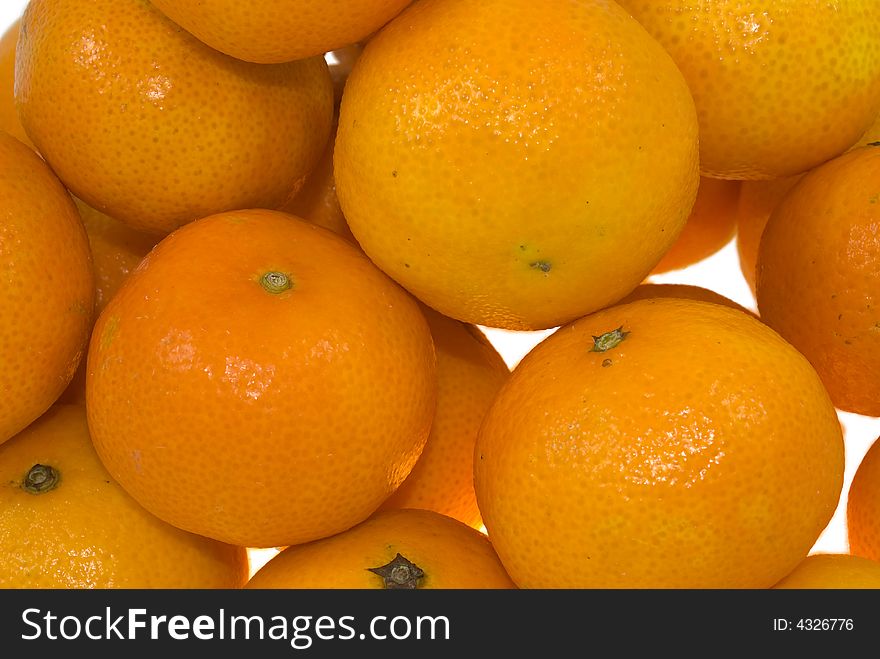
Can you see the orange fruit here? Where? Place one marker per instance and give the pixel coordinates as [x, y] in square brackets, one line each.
[780, 86]
[757, 200]
[681, 292]
[470, 372]
[636, 447]
[818, 275]
[116, 250]
[863, 506]
[393, 549]
[833, 571]
[155, 128]
[509, 186]
[282, 30]
[64, 523]
[8, 112]
[316, 200]
[710, 226]
[47, 291]
[259, 381]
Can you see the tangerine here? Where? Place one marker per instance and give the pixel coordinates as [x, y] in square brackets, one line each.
[835, 571]
[394, 550]
[470, 372]
[147, 124]
[64, 523]
[638, 446]
[259, 381]
[282, 30]
[757, 200]
[818, 275]
[47, 291]
[780, 87]
[509, 186]
[9, 120]
[710, 226]
[863, 506]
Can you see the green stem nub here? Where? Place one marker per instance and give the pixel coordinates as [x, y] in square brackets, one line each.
[276, 282]
[40, 479]
[608, 340]
[399, 574]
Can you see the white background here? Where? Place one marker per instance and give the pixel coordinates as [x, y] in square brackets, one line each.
[721, 273]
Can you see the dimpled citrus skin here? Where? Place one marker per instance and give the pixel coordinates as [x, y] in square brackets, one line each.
[450, 553]
[833, 571]
[818, 275]
[47, 287]
[645, 466]
[515, 164]
[863, 506]
[470, 372]
[260, 418]
[8, 113]
[147, 124]
[780, 86]
[87, 532]
[710, 226]
[281, 30]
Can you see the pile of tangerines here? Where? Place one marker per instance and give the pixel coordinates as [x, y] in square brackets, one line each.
[248, 255]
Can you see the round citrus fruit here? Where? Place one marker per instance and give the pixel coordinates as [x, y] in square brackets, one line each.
[863, 506]
[639, 446]
[147, 124]
[834, 571]
[779, 86]
[64, 523]
[281, 30]
[757, 200]
[259, 381]
[710, 226]
[681, 291]
[516, 164]
[47, 290]
[818, 275]
[395, 550]
[8, 112]
[470, 372]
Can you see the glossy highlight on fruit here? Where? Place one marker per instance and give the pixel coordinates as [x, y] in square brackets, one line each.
[284, 385]
[636, 447]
